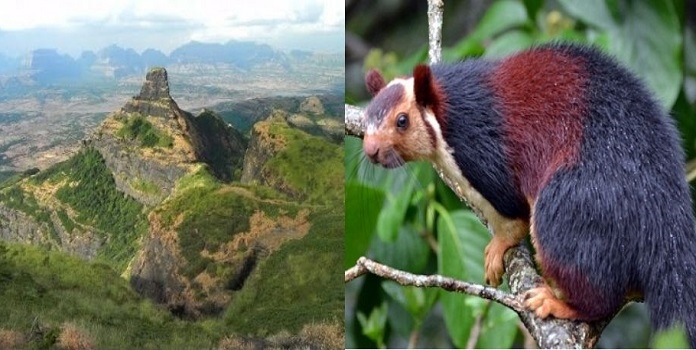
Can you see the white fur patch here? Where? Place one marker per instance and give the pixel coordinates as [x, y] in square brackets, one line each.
[447, 168]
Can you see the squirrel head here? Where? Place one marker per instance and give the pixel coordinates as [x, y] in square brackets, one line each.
[403, 118]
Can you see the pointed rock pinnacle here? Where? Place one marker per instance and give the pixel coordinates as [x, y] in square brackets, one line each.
[156, 85]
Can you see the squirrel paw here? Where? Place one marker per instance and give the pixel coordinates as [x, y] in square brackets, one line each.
[544, 302]
[493, 260]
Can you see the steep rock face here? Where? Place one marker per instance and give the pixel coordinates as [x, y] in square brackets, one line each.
[154, 270]
[262, 146]
[18, 226]
[217, 144]
[156, 85]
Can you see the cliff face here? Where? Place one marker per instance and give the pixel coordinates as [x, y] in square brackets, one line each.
[18, 226]
[154, 269]
[217, 144]
[262, 146]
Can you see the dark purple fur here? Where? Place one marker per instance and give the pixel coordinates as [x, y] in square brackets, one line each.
[622, 216]
[474, 130]
[388, 98]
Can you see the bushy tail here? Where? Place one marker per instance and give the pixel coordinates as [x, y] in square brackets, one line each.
[671, 293]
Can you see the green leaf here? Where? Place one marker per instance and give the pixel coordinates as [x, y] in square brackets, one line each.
[594, 12]
[499, 328]
[502, 15]
[533, 6]
[409, 252]
[674, 338]
[373, 326]
[462, 240]
[391, 218]
[417, 301]
[363, 204]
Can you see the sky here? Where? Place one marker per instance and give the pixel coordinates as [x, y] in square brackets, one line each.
[72, 26]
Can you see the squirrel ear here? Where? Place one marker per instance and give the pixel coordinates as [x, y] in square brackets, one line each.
[428, 92]
[374, 82]
[424, 87]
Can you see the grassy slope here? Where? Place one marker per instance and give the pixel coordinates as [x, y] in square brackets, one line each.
[48, 289]
[309, 164]
[301, 282]
[212, 214]
[91, 192]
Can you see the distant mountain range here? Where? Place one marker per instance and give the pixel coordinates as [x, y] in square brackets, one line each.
[45, 66]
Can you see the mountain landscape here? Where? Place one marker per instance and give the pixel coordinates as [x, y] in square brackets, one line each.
[153, 227]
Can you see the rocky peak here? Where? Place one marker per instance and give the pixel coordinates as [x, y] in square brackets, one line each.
[156, 85]
[154, 99]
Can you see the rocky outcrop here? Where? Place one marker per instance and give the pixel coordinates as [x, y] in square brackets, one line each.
[312, 105]
[130, 169]
[262, 146]
[217, 144]
[156, 85]
[18, 226]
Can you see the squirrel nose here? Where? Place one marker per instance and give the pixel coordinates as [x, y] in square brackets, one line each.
[371, 148]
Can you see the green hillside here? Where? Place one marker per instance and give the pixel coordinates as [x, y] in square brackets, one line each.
[296, 285]
[43, 293]
[87, 189]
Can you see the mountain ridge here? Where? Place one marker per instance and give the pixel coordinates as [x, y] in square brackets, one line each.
[47, 65]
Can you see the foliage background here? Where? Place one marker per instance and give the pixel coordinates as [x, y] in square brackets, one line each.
[406, 218]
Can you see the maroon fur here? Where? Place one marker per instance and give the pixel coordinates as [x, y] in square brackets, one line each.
[429, 94]
[374, 82]
[578, 291]
[540, 94]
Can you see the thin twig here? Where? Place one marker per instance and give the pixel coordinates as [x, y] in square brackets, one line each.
[476, 329]
[413, 339]
[446, 283]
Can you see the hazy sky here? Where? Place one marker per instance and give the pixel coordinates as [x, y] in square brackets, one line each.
[72, 26]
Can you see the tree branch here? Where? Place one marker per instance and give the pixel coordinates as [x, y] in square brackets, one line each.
[435, 10]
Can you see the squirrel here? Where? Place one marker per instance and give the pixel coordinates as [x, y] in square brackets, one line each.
[562, 142]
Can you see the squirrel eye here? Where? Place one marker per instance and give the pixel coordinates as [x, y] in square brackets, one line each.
[402, 121]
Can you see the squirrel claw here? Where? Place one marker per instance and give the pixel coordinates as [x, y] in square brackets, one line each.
[493, 261]
[544, 303]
